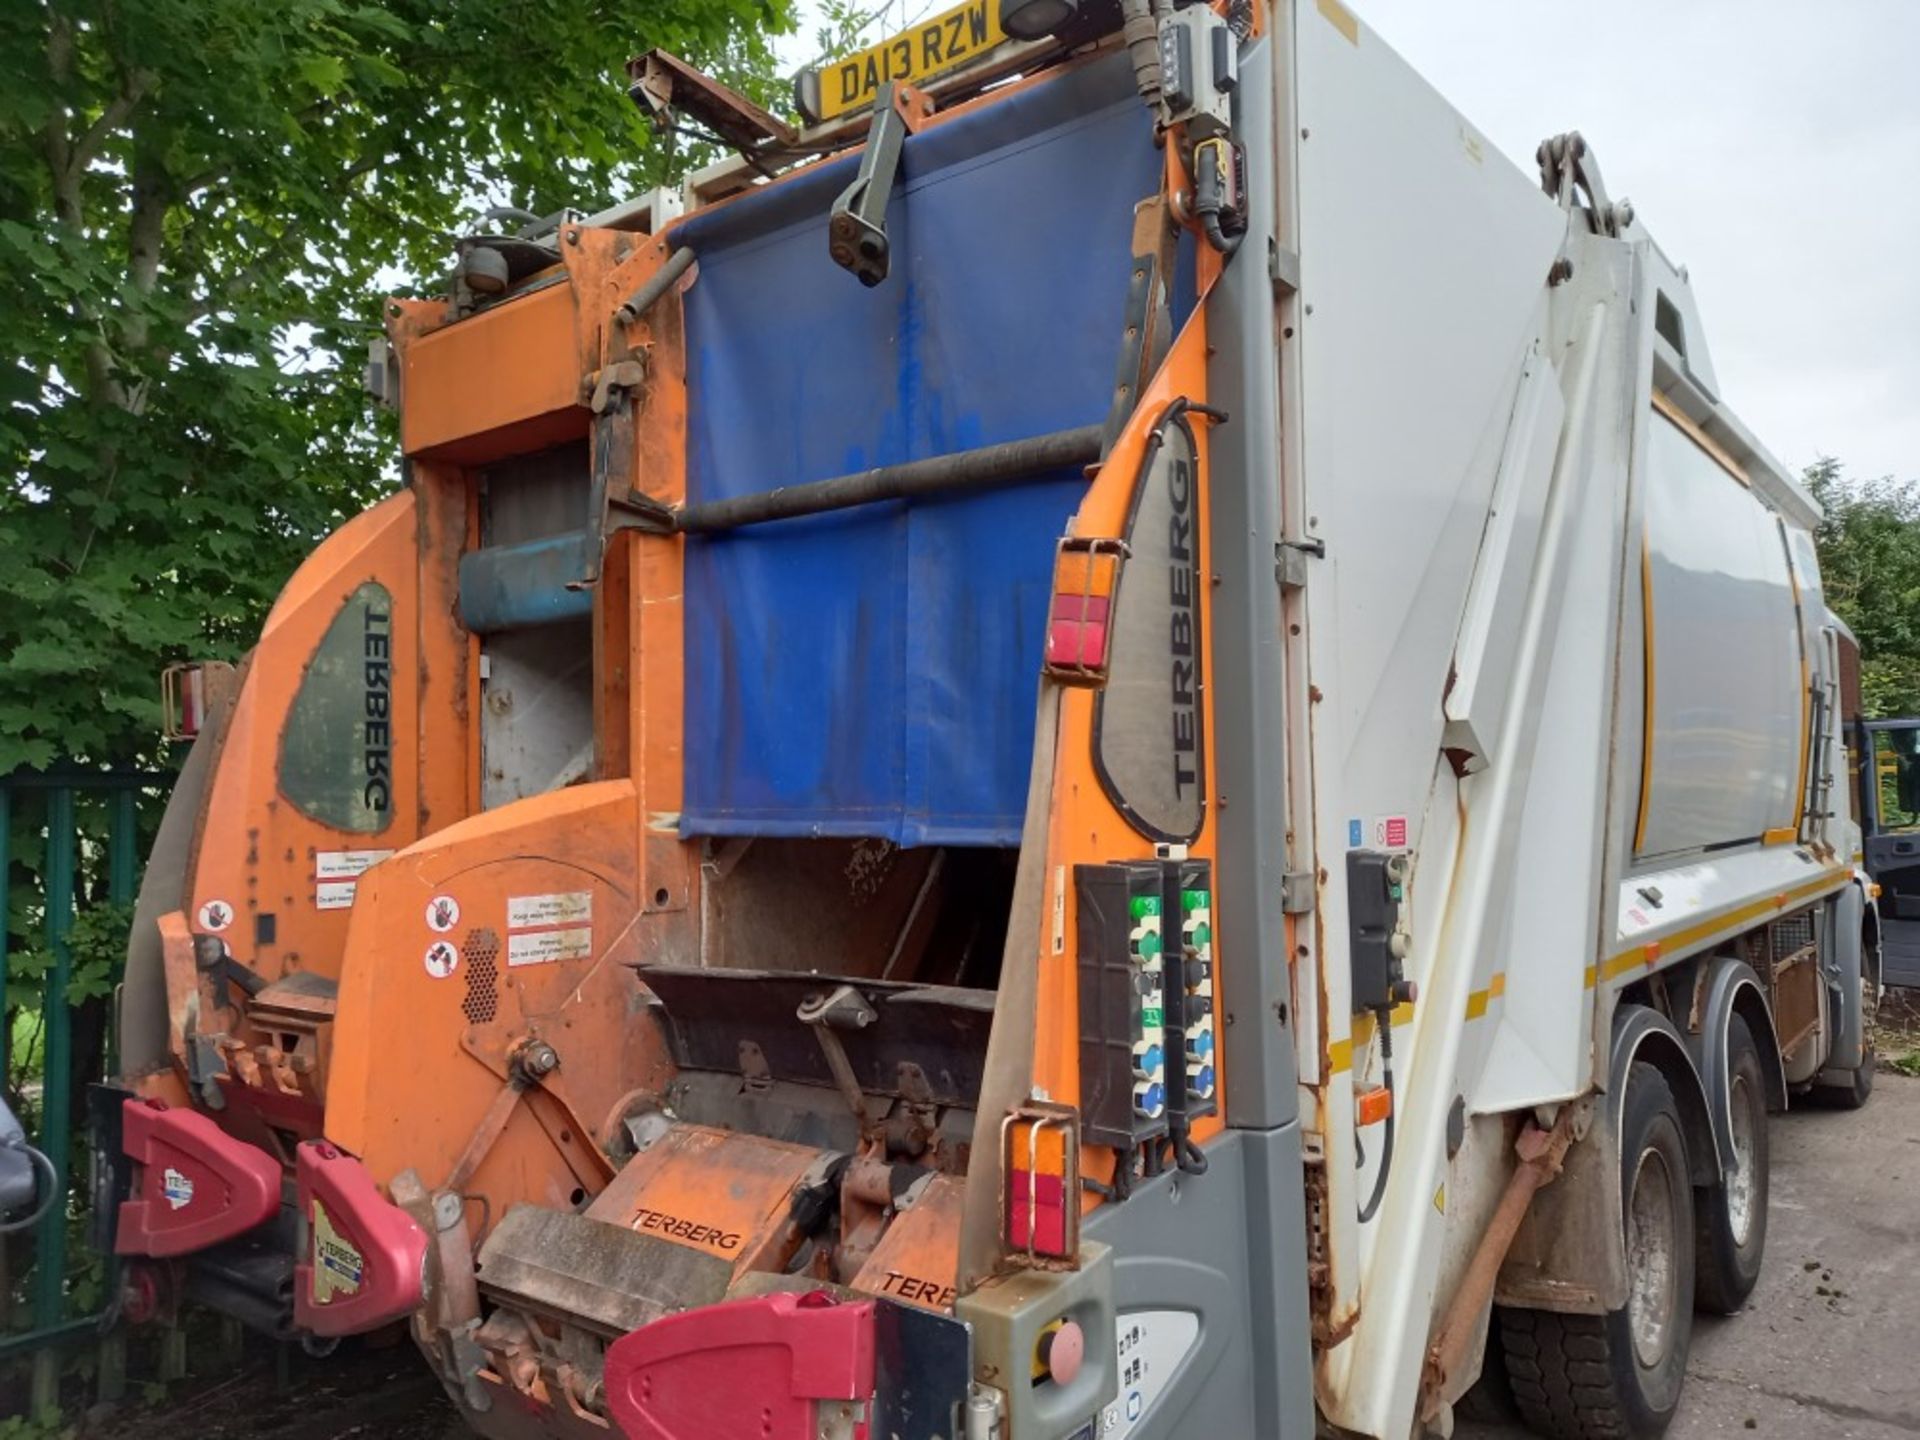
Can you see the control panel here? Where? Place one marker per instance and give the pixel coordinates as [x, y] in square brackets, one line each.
[1199, 66]
[1146, 997]
[1378, 937]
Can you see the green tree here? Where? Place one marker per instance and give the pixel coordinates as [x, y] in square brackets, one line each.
[201, 202]
[1870, 565]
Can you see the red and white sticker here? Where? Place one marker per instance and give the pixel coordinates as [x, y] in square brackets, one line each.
[215, 915]
[442, 959]
[443, 913]
[1390, 832]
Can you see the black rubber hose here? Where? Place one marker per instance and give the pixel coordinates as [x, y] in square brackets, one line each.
[1372, 1207]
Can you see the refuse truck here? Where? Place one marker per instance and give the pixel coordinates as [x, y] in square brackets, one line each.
[1115, 741]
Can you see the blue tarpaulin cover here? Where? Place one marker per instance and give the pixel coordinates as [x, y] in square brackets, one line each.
[872, 672]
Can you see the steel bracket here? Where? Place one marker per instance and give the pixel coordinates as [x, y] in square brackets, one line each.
[857, 226]
[1297, 892]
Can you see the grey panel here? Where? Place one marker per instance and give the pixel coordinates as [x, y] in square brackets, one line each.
[534, 497]
[163, 888]
[536, 718]
[1727, 697]
[1228, 1246]
[1146, 729]
[1900, 952]
[1243, 378]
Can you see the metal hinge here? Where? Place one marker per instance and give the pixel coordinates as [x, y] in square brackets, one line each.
[1290, 561]
[1297, 892]
[1283, 269]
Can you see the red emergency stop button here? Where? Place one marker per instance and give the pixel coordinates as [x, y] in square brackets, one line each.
[1063, 1350]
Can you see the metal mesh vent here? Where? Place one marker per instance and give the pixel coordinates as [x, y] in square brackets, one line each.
[1792, 935]
[482, 955]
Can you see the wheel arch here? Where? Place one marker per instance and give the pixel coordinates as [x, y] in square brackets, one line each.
[1641, 1033]
[1853, 971]
[1732, 988]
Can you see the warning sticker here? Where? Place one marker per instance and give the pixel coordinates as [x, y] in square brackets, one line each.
[1390, 832]
[529, 912]
[443, 913]
[346, 864]
[550, 945]
[334, 894]
[338, 1267]
[442, 959]
[215, 915]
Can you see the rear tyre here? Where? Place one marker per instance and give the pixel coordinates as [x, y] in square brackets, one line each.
[1489, 1400]
[1617, 1376]
[1730, 1220]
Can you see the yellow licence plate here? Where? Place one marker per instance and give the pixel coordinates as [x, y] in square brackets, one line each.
[934, 46]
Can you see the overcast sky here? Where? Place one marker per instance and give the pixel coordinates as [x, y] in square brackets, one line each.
[1771, 147]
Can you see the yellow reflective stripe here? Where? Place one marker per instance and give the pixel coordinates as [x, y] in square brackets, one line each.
[1478, 1001]
[1726, 922]
[1340, 1053]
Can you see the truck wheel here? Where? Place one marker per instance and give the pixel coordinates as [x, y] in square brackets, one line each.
[1617, 1376]
[1730, 1222]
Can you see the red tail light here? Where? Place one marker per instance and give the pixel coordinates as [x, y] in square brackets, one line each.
[1040, 1158]
[1086, 578]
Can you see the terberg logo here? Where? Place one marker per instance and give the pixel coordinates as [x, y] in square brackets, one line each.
[378, 711]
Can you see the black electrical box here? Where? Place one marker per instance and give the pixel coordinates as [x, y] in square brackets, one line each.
[1376, 891]
[1192, 1064]
[1147, 1044]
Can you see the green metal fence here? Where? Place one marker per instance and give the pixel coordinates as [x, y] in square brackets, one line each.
[82, 833]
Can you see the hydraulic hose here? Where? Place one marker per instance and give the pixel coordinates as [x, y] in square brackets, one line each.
[1142, 34]
[1372, 1207]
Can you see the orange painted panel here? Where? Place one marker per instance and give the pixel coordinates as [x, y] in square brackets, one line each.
[521, 923]
[515, 367]
[1084, 826]
[710, 1190]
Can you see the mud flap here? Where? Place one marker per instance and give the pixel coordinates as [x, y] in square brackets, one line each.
[363, 1259]
[196, 1185]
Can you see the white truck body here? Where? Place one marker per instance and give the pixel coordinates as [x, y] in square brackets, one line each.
[1505, 474]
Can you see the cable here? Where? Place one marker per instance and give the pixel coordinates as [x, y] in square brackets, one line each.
[1372, 1206]
[45, 1166]
[1210, 186]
